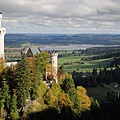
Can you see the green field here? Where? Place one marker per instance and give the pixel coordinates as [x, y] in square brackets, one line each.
[87, 66]
[100, 93]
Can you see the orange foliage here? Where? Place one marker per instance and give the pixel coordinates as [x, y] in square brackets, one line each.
[85, 101]
[63, 100]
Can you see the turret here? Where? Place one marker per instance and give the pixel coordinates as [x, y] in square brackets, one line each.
[2, 33]
[53, 60]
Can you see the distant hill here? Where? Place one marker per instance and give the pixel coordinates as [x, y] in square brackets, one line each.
[12, 40]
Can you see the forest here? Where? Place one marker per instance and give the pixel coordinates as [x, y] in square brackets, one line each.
[25, 96]
[12, 40]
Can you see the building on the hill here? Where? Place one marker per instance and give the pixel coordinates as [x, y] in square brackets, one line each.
[2, 34]
[53, 60]
[29, 52]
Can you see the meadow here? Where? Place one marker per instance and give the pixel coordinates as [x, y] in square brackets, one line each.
[85, 66]
[100, 93]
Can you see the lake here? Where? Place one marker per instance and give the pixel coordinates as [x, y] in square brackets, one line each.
[68, 47]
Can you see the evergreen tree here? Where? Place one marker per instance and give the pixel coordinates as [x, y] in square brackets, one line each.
[5, 94]
[69, 88]
[95, 110]
[10, 76]
[37, 83]
[36, 78]
[23, 82]
[13, 115]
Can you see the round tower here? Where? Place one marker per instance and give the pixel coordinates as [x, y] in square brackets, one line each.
[2, 33]
[53, 60]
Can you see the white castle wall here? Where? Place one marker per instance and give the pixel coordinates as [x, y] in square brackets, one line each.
[8, 64]
[2, 33]
[0, 19]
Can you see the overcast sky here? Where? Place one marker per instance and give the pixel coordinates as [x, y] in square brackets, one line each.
[61, 16]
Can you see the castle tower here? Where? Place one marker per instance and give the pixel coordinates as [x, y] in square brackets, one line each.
[53, 60]
[2, 33]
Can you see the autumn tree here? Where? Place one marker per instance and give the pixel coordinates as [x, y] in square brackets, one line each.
[64, 100]
[85, 101]
[69, 88]
[2, 64]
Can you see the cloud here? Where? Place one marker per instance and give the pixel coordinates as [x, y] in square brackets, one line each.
[68, 16]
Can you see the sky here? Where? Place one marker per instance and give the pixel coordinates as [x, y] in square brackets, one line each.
[61, 16]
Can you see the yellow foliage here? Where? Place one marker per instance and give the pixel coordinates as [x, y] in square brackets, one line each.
[64, 101]
[48, 69]
[2, 64]
[63, 77]
[85, 101]
[51, 99]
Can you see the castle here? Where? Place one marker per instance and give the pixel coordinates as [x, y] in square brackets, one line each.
[29, 52]
[53, 60]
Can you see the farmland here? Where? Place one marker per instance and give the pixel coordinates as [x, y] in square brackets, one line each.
[83, 62]
[87, 66]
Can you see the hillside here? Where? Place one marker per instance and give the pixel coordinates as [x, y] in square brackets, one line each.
[12, 40]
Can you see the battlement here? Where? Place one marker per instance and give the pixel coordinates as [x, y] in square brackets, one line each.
[54, 54]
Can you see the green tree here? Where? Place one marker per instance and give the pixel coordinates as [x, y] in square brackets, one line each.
[42, 61]
[23, 82]
[51, 96]
[69, 88]
[5, 91]
[36, 78]
[96, 110]
[13, 109]
[67, 83]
